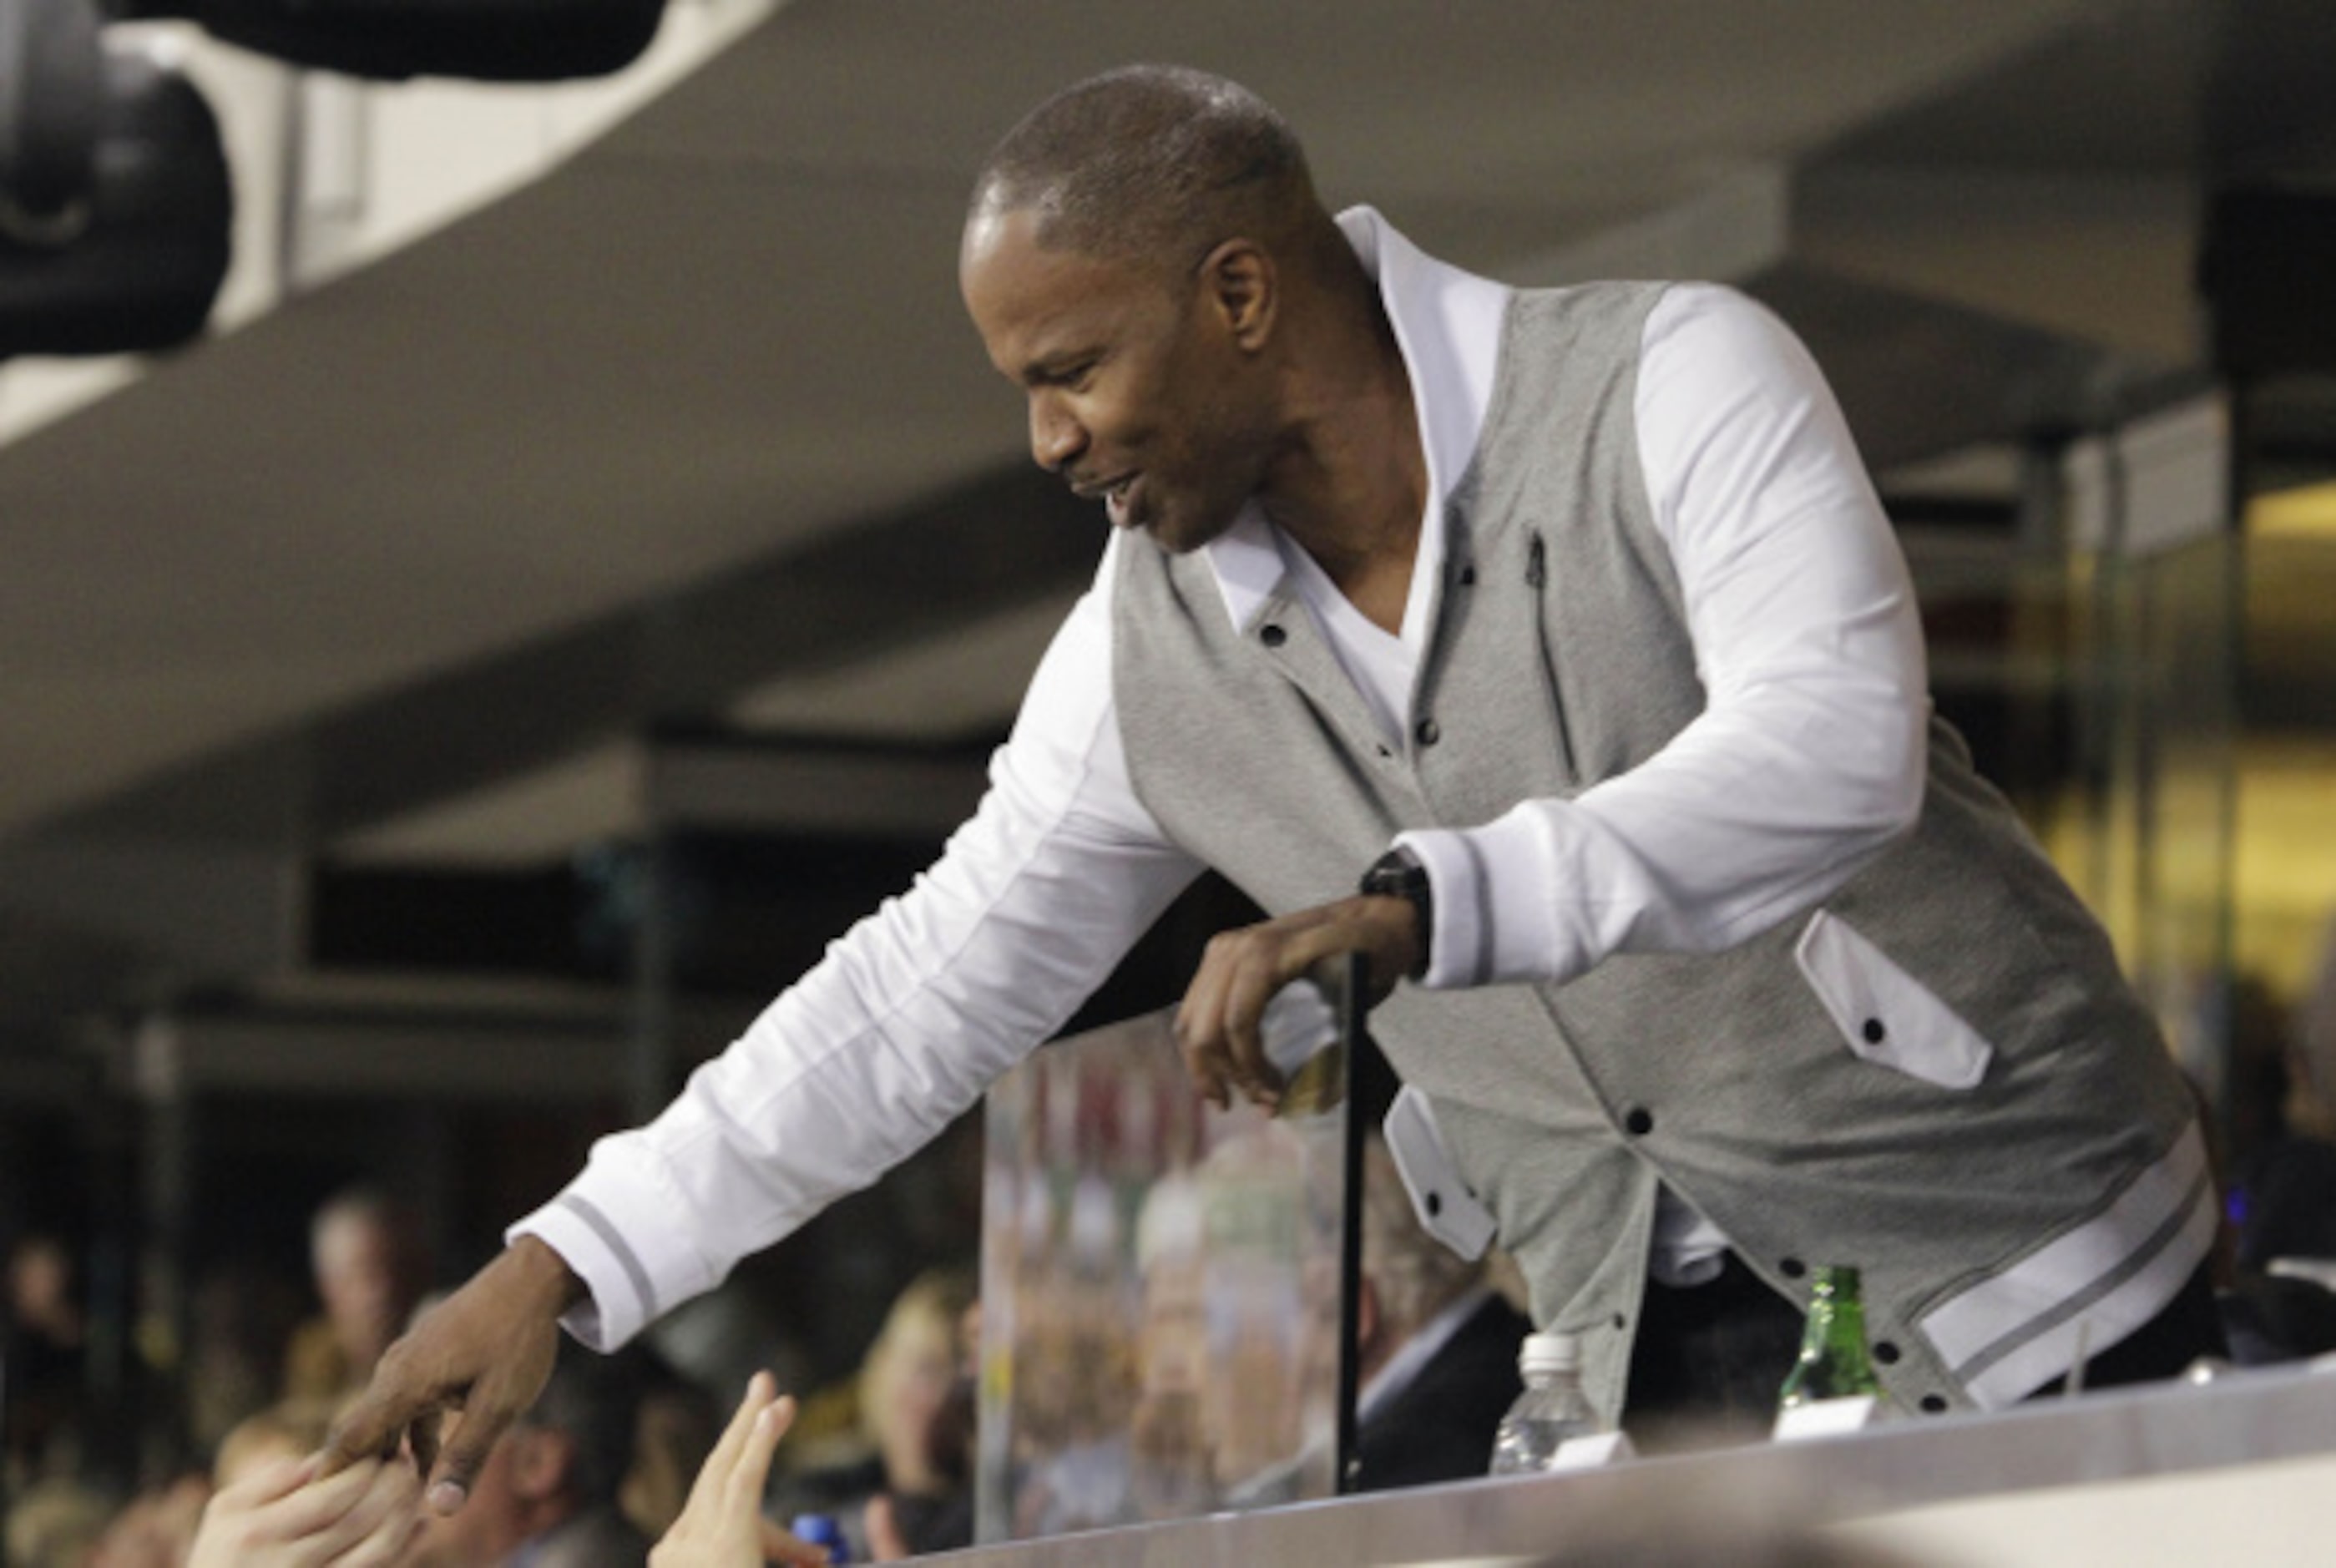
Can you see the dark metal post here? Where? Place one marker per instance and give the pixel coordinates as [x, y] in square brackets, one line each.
[1347, 1000]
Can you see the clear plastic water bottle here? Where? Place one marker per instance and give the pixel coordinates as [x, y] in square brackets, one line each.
[1552, 1409]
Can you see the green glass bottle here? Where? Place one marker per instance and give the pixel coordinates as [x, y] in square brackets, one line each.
[1833, 1363]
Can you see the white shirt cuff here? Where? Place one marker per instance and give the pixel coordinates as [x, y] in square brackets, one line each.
[632, 1259]
[1459, 947]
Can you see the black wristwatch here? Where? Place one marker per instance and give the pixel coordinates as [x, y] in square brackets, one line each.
[1398, 873]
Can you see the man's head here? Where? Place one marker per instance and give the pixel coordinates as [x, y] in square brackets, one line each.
[907, 1378]
[366, 1249]
[1127, 259]
[1408, 1276]
[566, 1455]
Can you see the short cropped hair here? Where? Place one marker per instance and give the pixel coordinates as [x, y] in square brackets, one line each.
[1150, 162]
[595, 1400]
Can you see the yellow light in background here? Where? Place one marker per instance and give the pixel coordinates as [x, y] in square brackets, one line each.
[2307, 511]
[2285, 874]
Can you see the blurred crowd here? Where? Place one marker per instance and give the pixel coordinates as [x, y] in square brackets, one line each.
[598, 1471]
[623, 1460]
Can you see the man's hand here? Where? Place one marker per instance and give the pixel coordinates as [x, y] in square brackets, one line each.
[1217, 1023]
[362, 1517]
[722, 1525]
[486, 1351]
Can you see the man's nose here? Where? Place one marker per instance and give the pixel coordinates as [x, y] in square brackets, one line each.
[1055, 437]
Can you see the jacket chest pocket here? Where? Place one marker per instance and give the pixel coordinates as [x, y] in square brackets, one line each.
[1886, 1015]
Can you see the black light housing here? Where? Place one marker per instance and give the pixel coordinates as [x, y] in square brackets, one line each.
[115, 201]
[487, 39]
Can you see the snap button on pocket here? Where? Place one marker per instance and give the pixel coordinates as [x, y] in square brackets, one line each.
[1860, 986]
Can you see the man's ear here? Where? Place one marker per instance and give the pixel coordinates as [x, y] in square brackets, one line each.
[539, 1461]
[1244, 288]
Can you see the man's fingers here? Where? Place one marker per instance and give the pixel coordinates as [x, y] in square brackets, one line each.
[1199, 1020]
[421, 1437]
[1204, 1062]
[461, 1457]
[369, 1429]
[516, 1364]
[1252, 986]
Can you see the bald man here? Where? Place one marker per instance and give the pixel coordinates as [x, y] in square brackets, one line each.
[1548, 648]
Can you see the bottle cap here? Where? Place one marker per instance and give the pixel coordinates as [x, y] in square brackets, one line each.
[1550, 1351]
[821, 1530]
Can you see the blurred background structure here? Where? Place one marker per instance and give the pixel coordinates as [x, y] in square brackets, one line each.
[588, 560]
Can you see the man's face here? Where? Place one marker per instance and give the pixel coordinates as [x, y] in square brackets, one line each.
[360, 1275]
[503, 1511]
[1139, 394]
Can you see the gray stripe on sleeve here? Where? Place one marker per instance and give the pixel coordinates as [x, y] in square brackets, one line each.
[1481, 970]
[2062, 1311]
[589, 1212]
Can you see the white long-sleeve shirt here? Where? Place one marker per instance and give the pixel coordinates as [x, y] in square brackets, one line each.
[1808, 759]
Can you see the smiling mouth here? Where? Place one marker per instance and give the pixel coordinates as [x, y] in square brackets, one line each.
[1089, 490]
[1113, 493]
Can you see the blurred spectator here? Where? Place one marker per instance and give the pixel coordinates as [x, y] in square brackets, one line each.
[2282, 1183]
[547, 1497]
[1437, 1347]
[47, 1343]
[2281, 1193]
[366, 1253]
[916, 1415]
[54, 1523]
[673, 1434]
[157, 1530]
[243, 1313]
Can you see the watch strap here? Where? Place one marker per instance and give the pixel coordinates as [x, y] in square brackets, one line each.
[1399, 873]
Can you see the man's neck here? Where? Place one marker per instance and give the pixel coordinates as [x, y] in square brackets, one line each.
[1353, 488]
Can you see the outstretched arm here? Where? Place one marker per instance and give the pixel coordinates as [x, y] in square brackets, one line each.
[904, 1023]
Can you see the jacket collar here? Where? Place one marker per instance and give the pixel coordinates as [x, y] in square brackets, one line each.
[1447, 327]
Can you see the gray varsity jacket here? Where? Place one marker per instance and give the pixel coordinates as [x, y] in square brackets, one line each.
[1939, 1076]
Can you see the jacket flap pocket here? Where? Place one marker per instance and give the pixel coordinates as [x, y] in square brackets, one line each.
[1446, 1209]
[1886, 1015]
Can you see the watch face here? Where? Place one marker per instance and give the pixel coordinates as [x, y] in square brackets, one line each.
[1395, 872]
[1399, 874]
